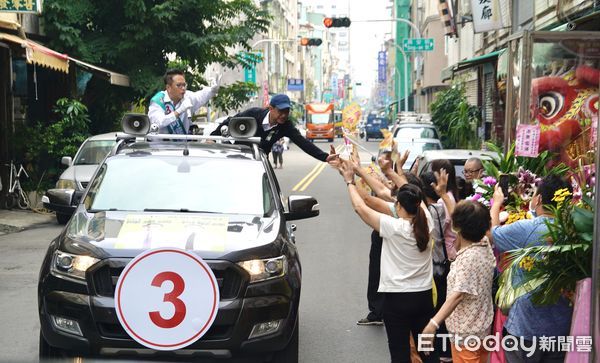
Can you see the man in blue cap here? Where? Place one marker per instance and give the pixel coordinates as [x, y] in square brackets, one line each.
[273, 124]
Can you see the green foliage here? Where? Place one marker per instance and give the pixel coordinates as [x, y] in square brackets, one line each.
[509, 163]
[47, 144]
[557, 267]
[134, 37]
[456, 119]
[234, 96]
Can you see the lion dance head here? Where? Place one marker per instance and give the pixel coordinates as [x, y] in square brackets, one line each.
[565, 106]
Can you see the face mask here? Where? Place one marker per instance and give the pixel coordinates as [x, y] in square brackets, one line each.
[532, 209]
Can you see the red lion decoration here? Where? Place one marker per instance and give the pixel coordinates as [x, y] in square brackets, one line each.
[565, 106]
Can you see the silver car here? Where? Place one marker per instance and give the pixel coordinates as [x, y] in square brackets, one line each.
[78, 174]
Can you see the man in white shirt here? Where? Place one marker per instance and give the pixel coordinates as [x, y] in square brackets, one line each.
[171, 110]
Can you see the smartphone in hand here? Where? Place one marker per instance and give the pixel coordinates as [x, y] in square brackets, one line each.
[503, 182]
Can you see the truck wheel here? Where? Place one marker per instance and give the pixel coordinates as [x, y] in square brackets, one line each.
[290, 353]
[62, 218]
[330, 140]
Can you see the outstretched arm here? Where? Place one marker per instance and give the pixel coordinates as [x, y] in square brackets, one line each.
[368, 215]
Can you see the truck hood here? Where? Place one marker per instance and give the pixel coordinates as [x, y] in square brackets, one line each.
[120, 234]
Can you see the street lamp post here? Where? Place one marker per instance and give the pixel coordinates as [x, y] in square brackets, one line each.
[405, 76]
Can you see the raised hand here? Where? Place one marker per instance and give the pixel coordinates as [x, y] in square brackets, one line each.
[441, 185]
[333, 158]
[402, 160]
[385, 162]
[498, 195]
[346, 170]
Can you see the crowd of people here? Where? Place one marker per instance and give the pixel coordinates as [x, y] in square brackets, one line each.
[434, 253]
[434, 261]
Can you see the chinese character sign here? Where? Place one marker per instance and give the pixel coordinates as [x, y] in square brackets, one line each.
[382, 66]
[528, 140]
[20, 6]
[486, 15]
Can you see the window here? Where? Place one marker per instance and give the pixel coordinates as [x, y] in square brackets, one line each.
[93, 152]
[181, 183]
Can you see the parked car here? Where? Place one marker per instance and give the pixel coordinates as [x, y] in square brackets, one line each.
[256, 263]
[374, 125]
[415, 130]
[457, 157]
[416, 147]
[78, 174]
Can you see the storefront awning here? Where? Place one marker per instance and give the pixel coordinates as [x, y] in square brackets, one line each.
[46, 57]
[468, 63]
[447, 73]
[9, 21]
[39, 54]
[112, 77]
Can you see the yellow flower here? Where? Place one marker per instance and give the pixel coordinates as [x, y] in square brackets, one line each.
[560, 195]
[527, 263]
[517, 216]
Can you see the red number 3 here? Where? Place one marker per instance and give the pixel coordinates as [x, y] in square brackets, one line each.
[171, 297]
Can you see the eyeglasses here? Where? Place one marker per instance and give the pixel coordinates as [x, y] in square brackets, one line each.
[181, 85]
[470, 172]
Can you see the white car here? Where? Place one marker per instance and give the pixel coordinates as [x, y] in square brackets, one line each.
[416, 147]
[457, 157]
[78, 174]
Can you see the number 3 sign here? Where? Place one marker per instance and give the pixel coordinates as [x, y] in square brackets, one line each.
[166, 298]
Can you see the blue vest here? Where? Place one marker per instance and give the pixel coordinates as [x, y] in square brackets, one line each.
[175, 127]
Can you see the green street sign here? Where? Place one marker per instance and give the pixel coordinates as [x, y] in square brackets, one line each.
[417, 44]
[21, 6]
[250, 75]
[250, 72]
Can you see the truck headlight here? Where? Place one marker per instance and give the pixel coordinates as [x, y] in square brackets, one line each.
[71, 266]
[65, 184]
[266, 269]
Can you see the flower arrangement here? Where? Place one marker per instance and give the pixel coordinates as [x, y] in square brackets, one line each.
[484, 190]
[555, 268]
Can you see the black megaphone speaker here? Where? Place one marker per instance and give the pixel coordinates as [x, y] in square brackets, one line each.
[137, 124]
[242, 127]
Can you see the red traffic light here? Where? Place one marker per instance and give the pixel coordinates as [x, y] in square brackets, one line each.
[337, 22]
[310, 42]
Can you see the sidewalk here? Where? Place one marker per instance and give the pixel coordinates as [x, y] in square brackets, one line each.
[17, 220]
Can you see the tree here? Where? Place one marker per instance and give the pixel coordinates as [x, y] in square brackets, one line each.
[456, 119]
[134, 37]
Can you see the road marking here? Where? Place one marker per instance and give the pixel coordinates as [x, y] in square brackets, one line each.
[312, 175]
[306, 177]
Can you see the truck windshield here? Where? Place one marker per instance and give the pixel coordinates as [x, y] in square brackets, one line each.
[319, 118]
[178, 183]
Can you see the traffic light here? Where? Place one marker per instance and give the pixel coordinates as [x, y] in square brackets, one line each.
[336, 22]
[310, 42]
